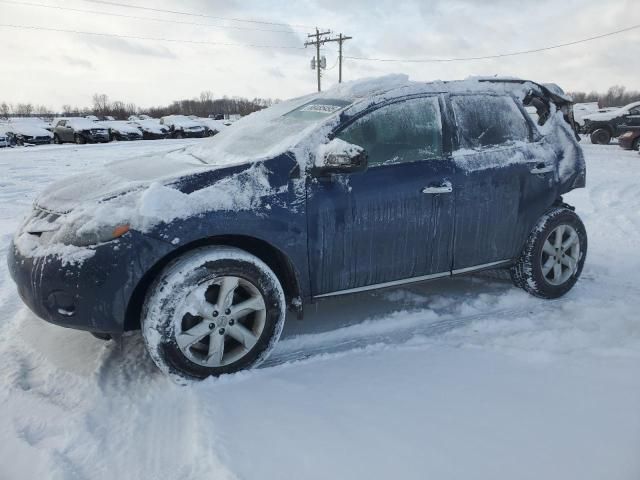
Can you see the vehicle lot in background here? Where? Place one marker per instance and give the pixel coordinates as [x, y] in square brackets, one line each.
[79, 130]
[479, 363]
[22, 132]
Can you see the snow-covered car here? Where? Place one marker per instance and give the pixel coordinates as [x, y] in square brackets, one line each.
[604, 126]
[151, 129]
[370, 184]
[79, 130]
[27, 133]
[33, 121]
[181, 126]
[121, 130]
[212, 126]
[93, 118]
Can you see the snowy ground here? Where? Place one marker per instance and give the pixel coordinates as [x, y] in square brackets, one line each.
[458, 379]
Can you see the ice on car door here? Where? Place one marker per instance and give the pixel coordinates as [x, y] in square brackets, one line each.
[493, 162]
[377, 226]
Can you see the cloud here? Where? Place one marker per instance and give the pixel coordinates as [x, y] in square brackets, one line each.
[130, 47]
[77, 62]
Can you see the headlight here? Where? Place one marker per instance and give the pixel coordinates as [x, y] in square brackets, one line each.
[87, 235]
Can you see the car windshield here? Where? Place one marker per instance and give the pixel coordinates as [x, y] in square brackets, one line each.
[268, 132]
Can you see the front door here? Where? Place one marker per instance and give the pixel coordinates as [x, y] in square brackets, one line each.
[394, 221]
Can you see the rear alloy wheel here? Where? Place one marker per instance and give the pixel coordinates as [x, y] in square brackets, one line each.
[554, 255]
[601, 137]
[636, 144]
[179, 135]
[215, 310]
[79, 139]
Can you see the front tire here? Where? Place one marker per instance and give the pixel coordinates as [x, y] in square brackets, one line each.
[213, 311]
[553, 256]
[601, 137]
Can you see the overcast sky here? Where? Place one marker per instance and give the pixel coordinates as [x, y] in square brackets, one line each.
[54, 68]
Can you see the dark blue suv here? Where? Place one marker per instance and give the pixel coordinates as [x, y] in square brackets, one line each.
[372, 184]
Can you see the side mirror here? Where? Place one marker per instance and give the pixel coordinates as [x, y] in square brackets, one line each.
[338, 156]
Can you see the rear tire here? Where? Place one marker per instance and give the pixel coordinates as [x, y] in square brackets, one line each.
[213, 311]
[79, 139]
[636, 144]
[553, 256]
[56, 139]
[601, 137]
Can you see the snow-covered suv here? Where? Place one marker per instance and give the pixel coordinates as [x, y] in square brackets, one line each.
[604, 126]
[368, 185]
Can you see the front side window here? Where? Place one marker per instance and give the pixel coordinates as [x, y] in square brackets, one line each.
[407, 131]
[634, 111]
[486, 120]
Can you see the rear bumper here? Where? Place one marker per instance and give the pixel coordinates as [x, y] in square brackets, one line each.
[91, 295]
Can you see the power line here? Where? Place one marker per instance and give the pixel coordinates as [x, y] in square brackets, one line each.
[177, 12]
[110, 14]
[498, 55]
[155, 39]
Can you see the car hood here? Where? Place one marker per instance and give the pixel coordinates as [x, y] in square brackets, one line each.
[117, 178]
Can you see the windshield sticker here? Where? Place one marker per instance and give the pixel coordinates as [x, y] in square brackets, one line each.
[320, 108]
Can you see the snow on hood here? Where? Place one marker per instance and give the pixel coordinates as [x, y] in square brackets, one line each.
[120, 126]
[116, 178]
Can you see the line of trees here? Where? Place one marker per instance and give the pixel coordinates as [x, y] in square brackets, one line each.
[102, 106]
[616, 96]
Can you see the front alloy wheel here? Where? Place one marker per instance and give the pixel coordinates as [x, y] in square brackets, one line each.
[215, 310]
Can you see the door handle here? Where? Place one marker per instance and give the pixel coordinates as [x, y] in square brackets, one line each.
[444, 187]
[542, 168]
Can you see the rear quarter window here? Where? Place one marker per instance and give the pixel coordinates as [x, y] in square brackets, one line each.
[487, 120]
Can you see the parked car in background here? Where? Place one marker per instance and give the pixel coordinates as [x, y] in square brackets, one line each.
[205, 249]
[121, 130]
[79, 130]
[151, 129]
[602, 127]
[4, 140]
[582, 109]
[27, 133]
[630, 140]
[181, 126]
[93, 118]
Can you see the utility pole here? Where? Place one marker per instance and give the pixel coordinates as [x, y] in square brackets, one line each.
[340, 39]
[317, 42]
[321, 41]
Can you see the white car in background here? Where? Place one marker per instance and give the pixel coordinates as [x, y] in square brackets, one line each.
[151, 129]
[121, 130]
[181, 126]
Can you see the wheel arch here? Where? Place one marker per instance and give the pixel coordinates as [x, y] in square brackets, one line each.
[275, 259]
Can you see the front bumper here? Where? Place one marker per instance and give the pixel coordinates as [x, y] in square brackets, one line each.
[97, 138]
[92, 295]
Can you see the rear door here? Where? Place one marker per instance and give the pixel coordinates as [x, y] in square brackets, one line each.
[505, 179]
[393, 221]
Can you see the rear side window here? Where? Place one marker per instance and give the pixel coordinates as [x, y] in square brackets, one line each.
[485, 120]
[406, 131]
